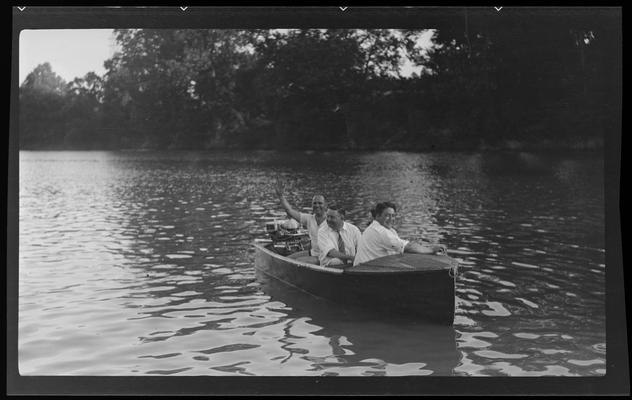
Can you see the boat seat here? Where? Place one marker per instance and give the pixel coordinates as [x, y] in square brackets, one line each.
[303, 256]
[308, 260]
[299, 254]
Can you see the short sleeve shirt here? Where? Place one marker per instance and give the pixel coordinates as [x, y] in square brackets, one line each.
[328, 240]
[378, 241]
[309, 221]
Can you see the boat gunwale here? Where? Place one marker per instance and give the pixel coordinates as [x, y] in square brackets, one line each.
[259, 243]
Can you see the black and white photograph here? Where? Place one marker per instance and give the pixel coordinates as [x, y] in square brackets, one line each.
[316, 193]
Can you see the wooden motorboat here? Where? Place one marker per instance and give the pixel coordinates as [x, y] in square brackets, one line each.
[418, 285]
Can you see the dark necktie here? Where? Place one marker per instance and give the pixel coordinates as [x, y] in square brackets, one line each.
[341, 244]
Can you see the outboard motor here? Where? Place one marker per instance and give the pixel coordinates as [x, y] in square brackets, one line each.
[287, 237]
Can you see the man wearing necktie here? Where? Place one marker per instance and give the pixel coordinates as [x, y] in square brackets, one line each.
[338, 240]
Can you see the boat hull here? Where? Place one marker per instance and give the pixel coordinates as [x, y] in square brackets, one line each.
[423, 294]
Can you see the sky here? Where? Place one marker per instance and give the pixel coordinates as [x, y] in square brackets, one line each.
[73, 53]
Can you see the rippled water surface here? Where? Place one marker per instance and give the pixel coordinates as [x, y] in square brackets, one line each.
[140, 263]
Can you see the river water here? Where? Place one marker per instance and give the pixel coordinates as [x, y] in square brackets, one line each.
[140, 263]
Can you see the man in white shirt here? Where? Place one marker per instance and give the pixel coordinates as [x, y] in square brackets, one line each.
[380, 239]
[338, 240]
[310, 221]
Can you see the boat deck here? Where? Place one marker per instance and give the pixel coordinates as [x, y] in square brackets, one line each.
[405, 263]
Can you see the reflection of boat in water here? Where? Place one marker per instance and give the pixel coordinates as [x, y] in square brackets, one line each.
[358, 338]
[416, 285]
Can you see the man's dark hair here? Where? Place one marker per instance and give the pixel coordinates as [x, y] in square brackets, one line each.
[336, 207]
[380, 207]
[319, 195]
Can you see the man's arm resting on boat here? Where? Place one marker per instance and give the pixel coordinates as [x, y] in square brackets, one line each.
[342, 256]
[413, 247]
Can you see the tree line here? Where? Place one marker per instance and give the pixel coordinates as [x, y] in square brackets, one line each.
[540, 81]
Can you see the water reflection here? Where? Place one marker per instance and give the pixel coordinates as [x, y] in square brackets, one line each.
[359, 339]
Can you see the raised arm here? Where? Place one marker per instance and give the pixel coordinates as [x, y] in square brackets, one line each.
[292, 213]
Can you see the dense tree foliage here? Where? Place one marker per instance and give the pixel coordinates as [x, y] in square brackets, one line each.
[529, 81]
[523, 79]
[42, 100]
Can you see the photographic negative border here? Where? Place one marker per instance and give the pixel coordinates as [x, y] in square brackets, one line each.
[616, 379]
